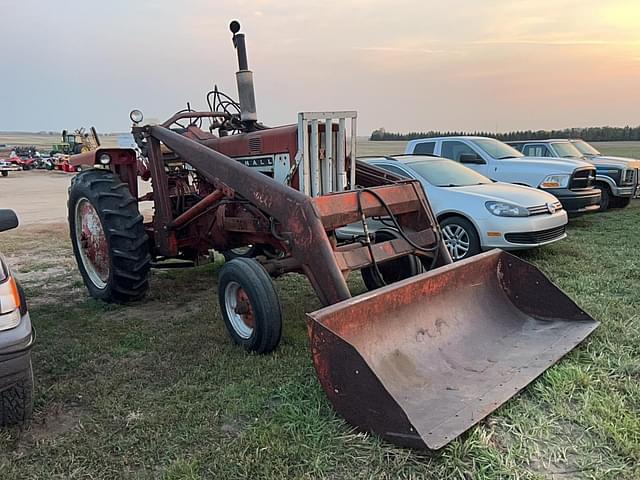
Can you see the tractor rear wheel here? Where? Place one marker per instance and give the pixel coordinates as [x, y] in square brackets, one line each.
[249, 304]
[393, 270]
[249, 251]
[108, 237]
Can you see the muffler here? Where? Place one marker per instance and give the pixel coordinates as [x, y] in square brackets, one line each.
[421, 361]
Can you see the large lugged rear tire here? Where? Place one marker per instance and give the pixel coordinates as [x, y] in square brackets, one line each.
[16, 399]
[108, 237]
[249, 304]
[393, 270]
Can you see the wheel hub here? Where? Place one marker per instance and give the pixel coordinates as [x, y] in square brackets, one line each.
[239, 310]
[92, 243]
[456, 239]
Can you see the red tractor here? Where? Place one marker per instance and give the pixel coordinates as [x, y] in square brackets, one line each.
[419, 360]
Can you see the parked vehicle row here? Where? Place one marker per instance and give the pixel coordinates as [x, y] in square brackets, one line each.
[616, 177]
[40, 162]
[474, 212]
[571, 181]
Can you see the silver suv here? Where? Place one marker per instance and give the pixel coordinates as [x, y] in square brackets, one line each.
[16, 339]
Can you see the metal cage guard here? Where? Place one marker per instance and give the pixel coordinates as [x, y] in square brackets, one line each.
[322, 168]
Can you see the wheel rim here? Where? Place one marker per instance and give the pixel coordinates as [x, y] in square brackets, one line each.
[91, 242]
[239, 310]
[241, 251]
[456, 239]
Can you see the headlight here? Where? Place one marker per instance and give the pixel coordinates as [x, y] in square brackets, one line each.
[10, 320]
[502, 209]
[136, 116]
[555, 181]
[9, 304]
[105, 159]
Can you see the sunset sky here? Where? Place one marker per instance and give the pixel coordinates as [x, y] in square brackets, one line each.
[404, 65]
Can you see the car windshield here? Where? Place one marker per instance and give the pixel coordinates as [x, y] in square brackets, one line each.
[566, 150]
[585, 148]
[447, 173]
[496, 148]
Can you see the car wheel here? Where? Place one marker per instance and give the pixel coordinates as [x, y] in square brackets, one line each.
[619, 202]
[5, 173]
[460, 237]
[16, 399]
[605, 196]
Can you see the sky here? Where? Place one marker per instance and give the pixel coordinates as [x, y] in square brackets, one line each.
[490, 65]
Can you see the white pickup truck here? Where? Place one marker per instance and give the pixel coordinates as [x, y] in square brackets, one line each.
[571, 181]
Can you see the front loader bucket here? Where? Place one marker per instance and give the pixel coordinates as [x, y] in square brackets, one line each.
[421, 361]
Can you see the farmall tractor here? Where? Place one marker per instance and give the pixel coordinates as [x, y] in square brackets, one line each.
[434, 346]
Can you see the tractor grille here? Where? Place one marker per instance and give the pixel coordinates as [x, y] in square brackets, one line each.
[583, 179]
[544, 209]
[530, 238]
[255, 145]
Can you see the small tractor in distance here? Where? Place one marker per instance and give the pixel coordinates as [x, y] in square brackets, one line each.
[79, 141]
[417, 360]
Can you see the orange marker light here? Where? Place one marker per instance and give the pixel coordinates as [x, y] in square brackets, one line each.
[494, 234]
[13, 291]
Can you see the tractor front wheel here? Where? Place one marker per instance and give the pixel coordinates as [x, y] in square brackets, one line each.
[249, 304]
[108, 237]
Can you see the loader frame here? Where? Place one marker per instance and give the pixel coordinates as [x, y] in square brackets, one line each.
[243, 206]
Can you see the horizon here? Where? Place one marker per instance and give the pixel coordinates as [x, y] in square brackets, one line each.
[491, 66]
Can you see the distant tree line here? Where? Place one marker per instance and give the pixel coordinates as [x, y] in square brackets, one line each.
[590, 134]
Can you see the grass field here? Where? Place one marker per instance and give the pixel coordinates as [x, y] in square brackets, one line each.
[156, 389]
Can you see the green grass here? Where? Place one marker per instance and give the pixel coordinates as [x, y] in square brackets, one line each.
[620, 149]
[157, 390]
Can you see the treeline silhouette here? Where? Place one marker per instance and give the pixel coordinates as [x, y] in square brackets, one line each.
[590, 134]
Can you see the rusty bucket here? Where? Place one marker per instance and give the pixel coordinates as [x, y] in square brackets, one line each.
[421, 361]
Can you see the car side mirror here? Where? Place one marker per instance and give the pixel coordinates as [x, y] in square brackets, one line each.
[8, 219]
[471, 158]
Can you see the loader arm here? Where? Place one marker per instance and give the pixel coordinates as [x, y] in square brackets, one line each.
[304, 222]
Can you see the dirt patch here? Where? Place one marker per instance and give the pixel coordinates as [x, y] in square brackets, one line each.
[53, 424]
[39, 197]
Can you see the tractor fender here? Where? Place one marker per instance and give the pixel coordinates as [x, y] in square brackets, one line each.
[119, 156]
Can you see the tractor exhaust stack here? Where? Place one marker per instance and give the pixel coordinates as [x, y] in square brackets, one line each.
[244, 78]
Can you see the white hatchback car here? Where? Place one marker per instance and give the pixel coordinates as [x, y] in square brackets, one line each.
[476, 213]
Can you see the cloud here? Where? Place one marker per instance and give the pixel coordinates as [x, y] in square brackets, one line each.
[399, 49]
